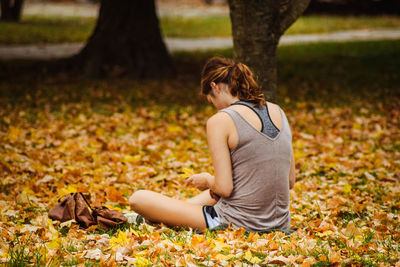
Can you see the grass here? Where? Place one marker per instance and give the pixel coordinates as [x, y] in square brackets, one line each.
[183, 27]
[326, 24]
[221, 26]
[37, 29]
[315, 72]
[307, 72]
[20, 255]
[349, 71]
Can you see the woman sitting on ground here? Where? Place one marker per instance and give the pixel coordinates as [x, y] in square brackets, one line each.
[251, 148]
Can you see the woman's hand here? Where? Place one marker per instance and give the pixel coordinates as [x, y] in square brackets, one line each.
[201, 181]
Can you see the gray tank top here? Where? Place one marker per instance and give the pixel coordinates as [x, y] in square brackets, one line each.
[260, 172]
[267, 125]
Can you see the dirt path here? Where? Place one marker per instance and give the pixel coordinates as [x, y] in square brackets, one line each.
[191, 8]
[49, 51]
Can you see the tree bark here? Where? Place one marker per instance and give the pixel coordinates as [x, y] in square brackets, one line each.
[257, 26]
[11, 9]
[126, 41]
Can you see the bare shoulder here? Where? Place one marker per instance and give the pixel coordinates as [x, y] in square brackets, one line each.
[275, 114]
[272, 105]
[218, 119]
[220, 128]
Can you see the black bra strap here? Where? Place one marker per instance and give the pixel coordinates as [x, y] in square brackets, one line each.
[250, 105]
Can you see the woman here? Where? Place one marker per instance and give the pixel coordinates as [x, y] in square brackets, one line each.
[251, 148]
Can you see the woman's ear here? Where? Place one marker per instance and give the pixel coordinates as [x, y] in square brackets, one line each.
[215, 88]
[213, 85]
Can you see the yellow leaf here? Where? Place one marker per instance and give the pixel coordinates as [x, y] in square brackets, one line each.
[82, 117]
[131, 159]
[114, 208]
[222, 257]
[135, 232]
[13, 133]
[297, 217]
[379, 133]
[301, 105]
[51, 228]
[174, 129]
[347, 189]
[331, 165]
[298, 155]
[54, 244]
[99, 170]
[187, 172]
[359, 238]
[357, 126]
[140, 261]
[326, 233]
[70, 189]
[298, 144]
[255, 260]
[4, 255]
[121, 240]
[220, 245]
[249, 257]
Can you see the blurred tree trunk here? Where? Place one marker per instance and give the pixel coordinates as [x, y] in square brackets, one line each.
[257, 26]
[11, 9]
[126, 40]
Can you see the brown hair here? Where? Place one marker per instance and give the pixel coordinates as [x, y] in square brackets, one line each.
[238, 76]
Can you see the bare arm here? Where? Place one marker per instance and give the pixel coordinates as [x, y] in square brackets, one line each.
[217, 137]
[292, 174]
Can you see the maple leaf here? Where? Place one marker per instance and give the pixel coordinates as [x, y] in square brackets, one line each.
[120, 240]
[351, 230]
[69, 189]
[187, 172]
[252, 259]
[219, 246]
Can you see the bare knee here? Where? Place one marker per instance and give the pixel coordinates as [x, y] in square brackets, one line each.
[138, 199]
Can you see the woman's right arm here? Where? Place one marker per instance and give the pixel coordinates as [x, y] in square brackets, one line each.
[217, 137]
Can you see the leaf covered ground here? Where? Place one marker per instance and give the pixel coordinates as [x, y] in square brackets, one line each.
[345, 204]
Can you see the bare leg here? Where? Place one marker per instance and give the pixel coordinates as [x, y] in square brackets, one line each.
[159, 208]
[203, 199]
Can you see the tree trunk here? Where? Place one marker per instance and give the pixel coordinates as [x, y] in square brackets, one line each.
[257, 26]
[126, 40]
[11, 9]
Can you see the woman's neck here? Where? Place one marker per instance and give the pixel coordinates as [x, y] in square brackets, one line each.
[233, 100]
